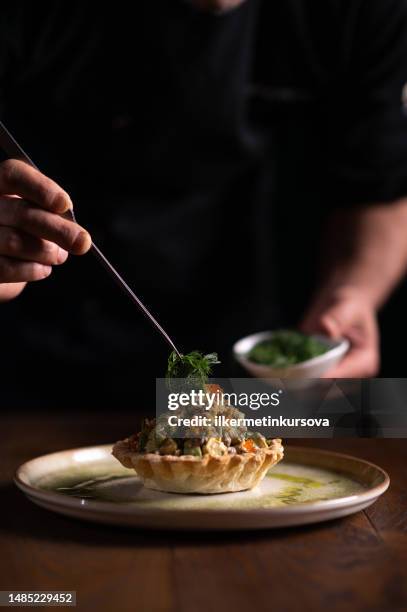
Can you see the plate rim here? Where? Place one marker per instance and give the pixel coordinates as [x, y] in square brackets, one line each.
[315, 507]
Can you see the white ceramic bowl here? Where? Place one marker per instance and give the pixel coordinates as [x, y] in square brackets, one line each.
[311, 368]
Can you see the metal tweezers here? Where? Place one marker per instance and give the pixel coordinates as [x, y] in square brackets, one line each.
[11, 147]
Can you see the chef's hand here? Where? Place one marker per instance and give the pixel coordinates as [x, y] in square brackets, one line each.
[346, 312]
[33, 235]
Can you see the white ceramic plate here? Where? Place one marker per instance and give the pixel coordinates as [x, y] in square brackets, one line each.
[311, 368]
[308, 486]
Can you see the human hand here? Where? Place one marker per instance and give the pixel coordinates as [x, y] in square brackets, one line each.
[346, 312]
[33, 235]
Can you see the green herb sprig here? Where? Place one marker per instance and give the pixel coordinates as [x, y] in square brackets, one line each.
[194, 366]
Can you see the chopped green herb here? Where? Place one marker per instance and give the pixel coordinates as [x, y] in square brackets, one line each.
[286, 348]
[194, 366]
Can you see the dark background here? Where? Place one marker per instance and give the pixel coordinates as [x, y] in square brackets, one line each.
[203, 153]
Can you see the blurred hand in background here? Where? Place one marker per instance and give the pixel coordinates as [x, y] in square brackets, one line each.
[347, 313]
[364, 256]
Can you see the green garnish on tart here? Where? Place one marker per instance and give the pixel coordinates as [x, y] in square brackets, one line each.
[194, 368]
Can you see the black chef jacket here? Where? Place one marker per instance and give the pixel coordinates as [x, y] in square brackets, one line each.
[203, 153]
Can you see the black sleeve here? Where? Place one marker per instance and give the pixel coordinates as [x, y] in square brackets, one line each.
[367, 139]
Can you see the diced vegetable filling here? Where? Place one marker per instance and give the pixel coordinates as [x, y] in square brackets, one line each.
[149, 441]
[158, 437]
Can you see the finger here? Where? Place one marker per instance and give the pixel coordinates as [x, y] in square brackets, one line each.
[359, 363]
[339, 317]
[17, 244]
[15, 271]
[363, 359]
[19, 178]
[311, 322]
[15, 212]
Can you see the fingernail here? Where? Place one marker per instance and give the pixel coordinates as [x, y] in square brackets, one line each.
[46, 270]
[62, 256]
[82, 243]
[62, 202]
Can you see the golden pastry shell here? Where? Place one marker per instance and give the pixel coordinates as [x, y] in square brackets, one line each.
[209, 474]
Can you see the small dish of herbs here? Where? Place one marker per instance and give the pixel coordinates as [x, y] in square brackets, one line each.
[286, 348]
[289, 354]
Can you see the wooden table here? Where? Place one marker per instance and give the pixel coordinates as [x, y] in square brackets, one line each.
[356, 563]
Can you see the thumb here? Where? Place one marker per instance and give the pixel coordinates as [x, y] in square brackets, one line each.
[337, 318]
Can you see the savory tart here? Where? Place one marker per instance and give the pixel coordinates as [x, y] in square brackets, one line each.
[205, 460]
